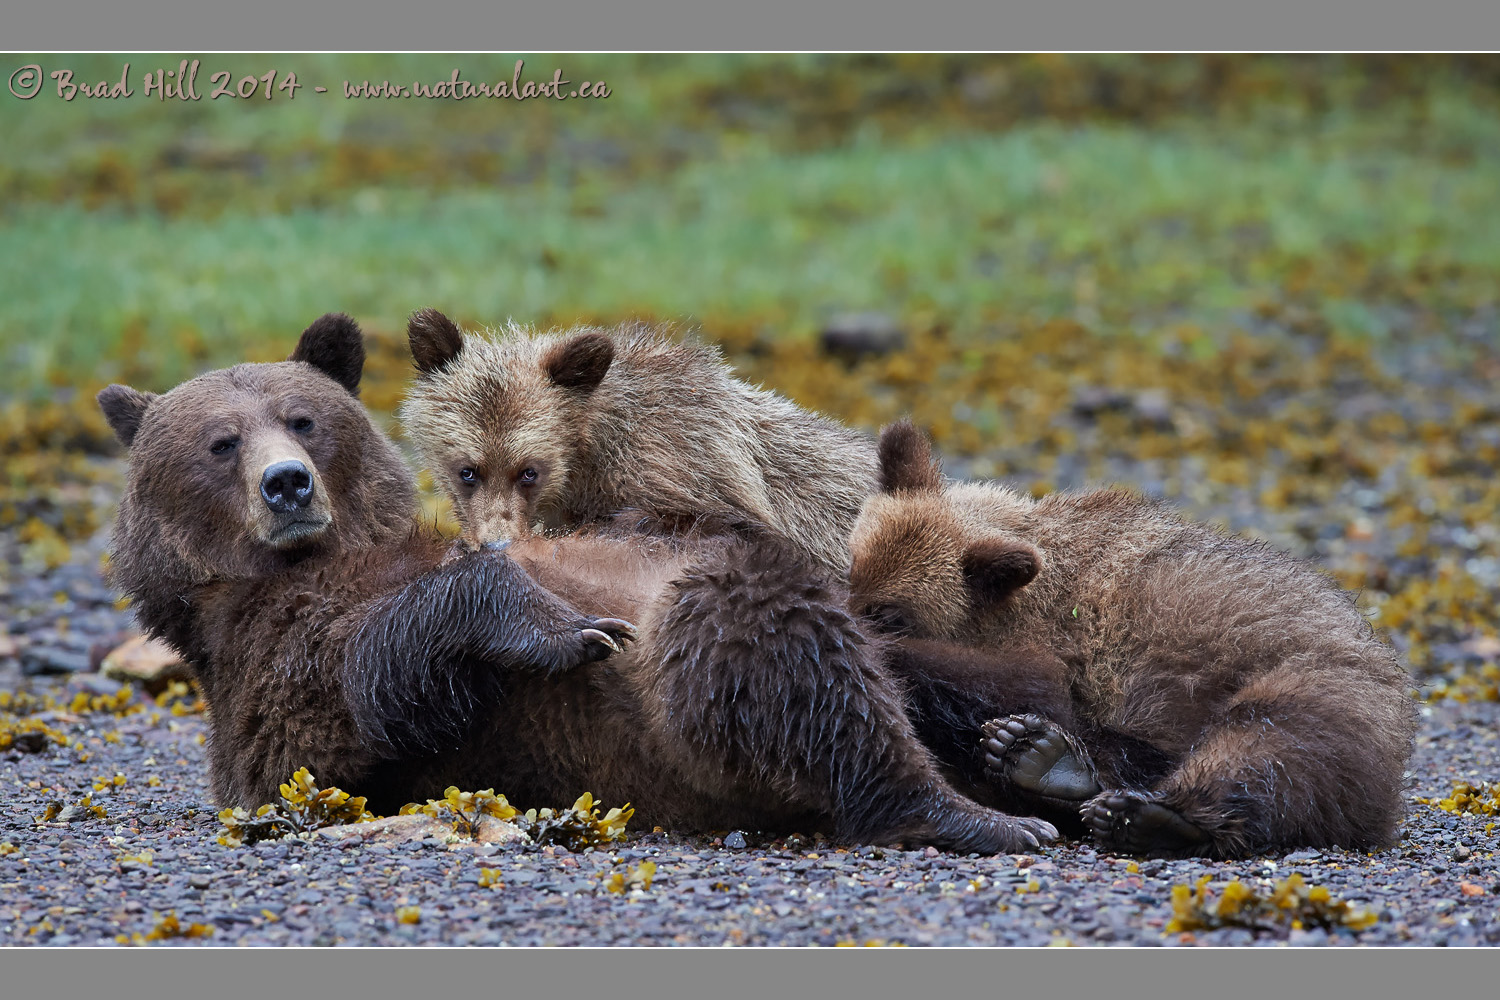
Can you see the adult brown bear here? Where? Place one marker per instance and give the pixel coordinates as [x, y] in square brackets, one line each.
[266, 531]
[1211, 695]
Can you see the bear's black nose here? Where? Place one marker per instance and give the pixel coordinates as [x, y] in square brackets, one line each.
[286, 486]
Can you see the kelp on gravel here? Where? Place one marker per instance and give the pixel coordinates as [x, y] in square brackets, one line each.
[1291, 905]
[463, 809]
[1477, 799]
[304, 807]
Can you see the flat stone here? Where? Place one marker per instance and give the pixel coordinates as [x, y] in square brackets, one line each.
[146, 662]
[39, 660]
[416, 829]
[94, 684]
[1298, 857]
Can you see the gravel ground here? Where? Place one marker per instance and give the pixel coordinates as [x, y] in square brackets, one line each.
[1410, 520]
[86, 879]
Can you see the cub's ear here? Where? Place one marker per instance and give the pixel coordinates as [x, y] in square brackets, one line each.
[580, 362]
[334, 346]
[124, 408]
[995, 568]
[435, 340]
[906, 461]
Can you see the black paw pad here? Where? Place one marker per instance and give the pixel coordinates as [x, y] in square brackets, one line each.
[1036, 755]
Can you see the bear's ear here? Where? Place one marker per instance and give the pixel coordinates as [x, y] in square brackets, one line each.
[435, 340]
[995, 568]
[906, 461]
[124, 408]
[334, 346]
[580, 362]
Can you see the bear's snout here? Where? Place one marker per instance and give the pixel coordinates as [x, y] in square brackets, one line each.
[286, 486]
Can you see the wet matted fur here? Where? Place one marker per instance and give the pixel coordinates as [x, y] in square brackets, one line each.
[1211, 678]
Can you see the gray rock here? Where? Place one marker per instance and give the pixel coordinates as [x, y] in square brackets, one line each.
[857, 335]
[43, 660]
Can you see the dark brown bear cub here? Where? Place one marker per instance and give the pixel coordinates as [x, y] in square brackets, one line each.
[1225, 699]
[527, 430]
[267, 532]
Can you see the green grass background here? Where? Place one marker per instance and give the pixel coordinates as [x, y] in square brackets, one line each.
[146, 241]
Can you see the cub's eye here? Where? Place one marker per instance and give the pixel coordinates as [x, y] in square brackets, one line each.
[527, 476]
[469, 476]
[302, 425]
[224, 446]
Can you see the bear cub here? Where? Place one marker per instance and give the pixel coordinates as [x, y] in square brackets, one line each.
[529, 431]
[1211, 695]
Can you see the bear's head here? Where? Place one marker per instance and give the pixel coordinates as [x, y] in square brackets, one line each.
[243, 470]
[501, 422]
[932, 561]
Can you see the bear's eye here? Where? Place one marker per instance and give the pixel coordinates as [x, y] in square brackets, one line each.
[468, 475]
[302, 425]
[224, 445]
[527, 477]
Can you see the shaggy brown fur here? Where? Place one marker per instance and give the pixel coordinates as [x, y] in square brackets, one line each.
[360, 650]
[1233, 699]
[261, 593]
[528, 431]
[752, 699]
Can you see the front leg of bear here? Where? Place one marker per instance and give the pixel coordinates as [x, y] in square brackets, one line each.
[422, 661]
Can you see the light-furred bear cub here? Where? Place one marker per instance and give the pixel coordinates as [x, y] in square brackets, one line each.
[267, 531]
[1226, 699]
[527, 430]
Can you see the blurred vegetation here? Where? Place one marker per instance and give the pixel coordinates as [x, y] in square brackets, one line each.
[1265, 286]
[145, 241]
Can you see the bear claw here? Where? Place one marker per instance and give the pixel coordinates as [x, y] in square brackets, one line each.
[1138, 823]
[609, 632]
[623, 629]
[594, 635]
[1035, 831]
[1038, 756]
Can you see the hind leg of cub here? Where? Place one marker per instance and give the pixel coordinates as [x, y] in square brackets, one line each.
[953, 690]
[760, 678]
[1300, 757]
[1038, 756]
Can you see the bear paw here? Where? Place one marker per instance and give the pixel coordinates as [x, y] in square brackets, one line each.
[971, 830]
[1038, 756]
[1035, 832]
[603, 636]
[1138, 823]
[460, 548]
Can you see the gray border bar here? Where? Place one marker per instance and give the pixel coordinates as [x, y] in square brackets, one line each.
[783, 25]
